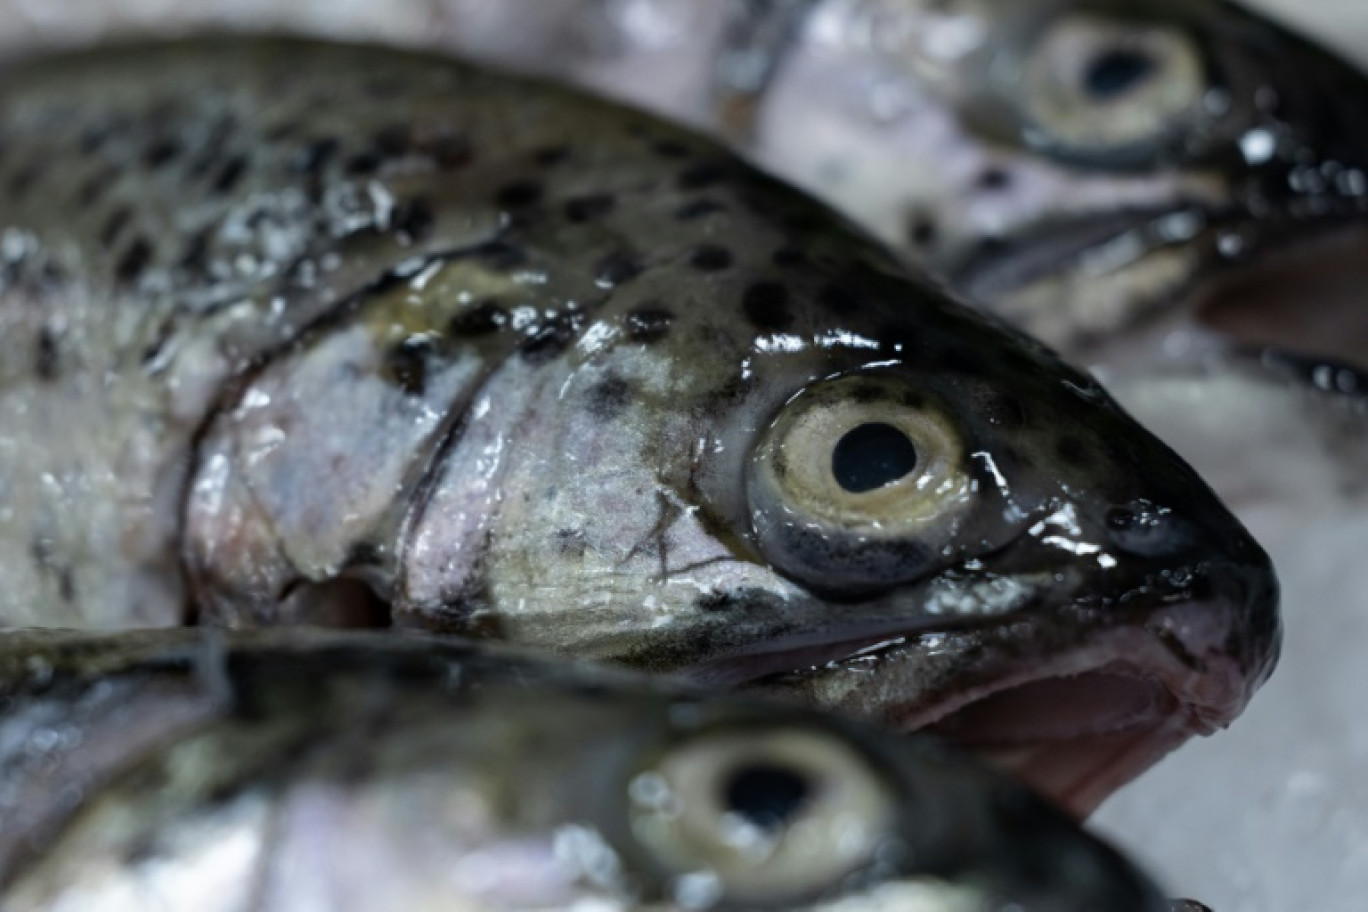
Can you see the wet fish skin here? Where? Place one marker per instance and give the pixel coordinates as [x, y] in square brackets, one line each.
[362, 771]
[312, 333]
[936, 125]
[965, 135]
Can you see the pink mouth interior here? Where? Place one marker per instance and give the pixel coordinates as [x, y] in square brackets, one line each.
[1076, 738]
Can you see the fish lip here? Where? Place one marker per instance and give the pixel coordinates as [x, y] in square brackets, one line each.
[1042, 248]
[1180, 650]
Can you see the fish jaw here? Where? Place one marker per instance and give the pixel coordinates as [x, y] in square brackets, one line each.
[1076, 717]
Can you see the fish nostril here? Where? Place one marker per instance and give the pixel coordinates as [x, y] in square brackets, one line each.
[1146, 530]
[1121, 519]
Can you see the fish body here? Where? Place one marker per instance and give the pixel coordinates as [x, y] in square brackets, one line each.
[207, 770]
[299, 332]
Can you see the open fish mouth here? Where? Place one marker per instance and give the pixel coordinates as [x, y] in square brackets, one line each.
[1085, 723]
[1075, 723]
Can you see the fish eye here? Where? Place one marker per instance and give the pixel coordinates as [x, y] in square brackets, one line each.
[856, 482]
[761, 815]
[1095, 85]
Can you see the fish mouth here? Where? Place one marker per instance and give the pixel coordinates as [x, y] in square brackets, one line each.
[1083, 724]
[1079, 281]
[1077, 724]
[1091, 246]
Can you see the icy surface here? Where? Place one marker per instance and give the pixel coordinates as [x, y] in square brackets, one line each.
[1272, 815]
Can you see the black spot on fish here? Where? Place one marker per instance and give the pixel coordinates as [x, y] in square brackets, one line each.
[114, 225]
[162, 152]
[364, 554]
[413, 219]
[788, 258]
[230, 174]
[551, 338]
[617, 268]
[1072, 451]
[66, 585]
[134, 261]
[94, 187]
[922, 229]
[840, 300]
[711, 258]
[316, 155]
[994, 179]
[94, 137]
[219, 136]
[364, 163]
[154, 349]
[47, 361]
[670, 148]
[392, 141]
[24, 179]
[700, 177]
[767, 306]
[698, 209]
[196, 254]
[480, 320]
[406, 364]
[648, 324]
[589, 208]
[519, 194]
[551, 156]
[609, 398]
[572, 542]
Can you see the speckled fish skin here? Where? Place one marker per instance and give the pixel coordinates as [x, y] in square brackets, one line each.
[964, 133]
[224, 772]
[968, 135]
[310, 333]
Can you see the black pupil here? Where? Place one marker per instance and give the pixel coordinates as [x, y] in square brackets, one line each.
[871, 456]
[1115, 72]
[766, 796]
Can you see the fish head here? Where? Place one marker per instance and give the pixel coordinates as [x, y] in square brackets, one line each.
[846, 486]
[963, 532]
[1075, 166]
